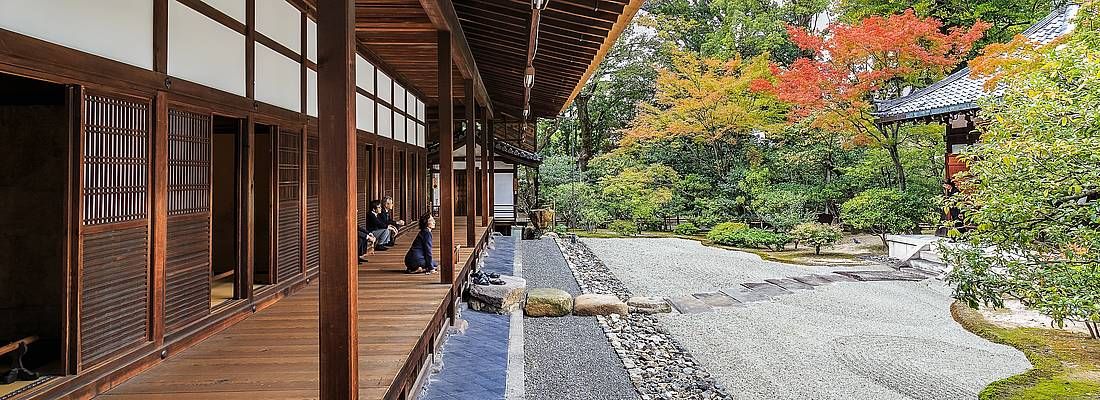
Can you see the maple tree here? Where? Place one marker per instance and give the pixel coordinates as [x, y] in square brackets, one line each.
[855, 64]
[708, 100]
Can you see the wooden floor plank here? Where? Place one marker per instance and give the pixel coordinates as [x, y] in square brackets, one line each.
[273, 353]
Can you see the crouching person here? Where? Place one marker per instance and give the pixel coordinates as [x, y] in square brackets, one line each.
[419, 258]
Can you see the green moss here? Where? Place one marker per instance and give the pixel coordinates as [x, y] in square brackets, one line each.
[1065, 365]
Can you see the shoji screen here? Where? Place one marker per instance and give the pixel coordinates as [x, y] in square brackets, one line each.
[187, 269]
[289, 225]
[313, 202]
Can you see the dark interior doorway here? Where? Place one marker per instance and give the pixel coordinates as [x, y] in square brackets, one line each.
[263, 193]
[35, 127]
[227, 175]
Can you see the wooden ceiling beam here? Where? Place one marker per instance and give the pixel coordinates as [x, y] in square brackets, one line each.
[442, 14]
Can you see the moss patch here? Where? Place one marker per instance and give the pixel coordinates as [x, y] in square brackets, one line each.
[1066, 365]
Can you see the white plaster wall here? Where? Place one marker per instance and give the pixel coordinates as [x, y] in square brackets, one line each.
[399, 127]
[232, 8]
[278, 79]
[385, 121]
[364, 113]
[281, 22]
[311, 92]
[399, 97]
[502, 189]
[420, 136]
[410, 131]
[311, 38]
[410, 105]
[364, 74]
[385, 87]
[204, 51]
[120, 30]
[420, 110]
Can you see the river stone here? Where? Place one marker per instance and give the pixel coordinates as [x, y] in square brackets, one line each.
[648, 305]
[548, 302]
[499, 299]
[599, 304]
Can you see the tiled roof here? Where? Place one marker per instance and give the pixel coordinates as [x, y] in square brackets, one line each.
[959, 91]
[504, 148]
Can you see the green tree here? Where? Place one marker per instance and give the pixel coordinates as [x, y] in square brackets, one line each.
[815, 234]
[1033, 189]
[885, 211]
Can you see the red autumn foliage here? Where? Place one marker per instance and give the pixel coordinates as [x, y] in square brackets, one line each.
[853, 64]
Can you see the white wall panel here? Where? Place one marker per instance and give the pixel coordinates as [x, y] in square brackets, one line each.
[311, 38]
[204, 51]
[410, 106]
[398, 97]
[311, 92]
[399, 127]
[420, 111]
[281, 22]
[385, 87]
[278, 79]
[502, 188]
[410, 131]
[120, 30]
[385, 121]
[364, 113]
[364, 74]
[232, 8]
[420, 129]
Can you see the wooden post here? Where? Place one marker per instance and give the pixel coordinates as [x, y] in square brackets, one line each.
[486, 191]
[446, 161]
[471, 165]
[160, 214]
[338, 330]
[490, 138]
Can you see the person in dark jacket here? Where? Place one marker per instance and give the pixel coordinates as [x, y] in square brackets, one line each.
[419, 257]
[387, 213]
[375, 226]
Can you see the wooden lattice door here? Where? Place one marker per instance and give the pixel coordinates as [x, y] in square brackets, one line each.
[313, 202]
[289, 220]
[114, 245]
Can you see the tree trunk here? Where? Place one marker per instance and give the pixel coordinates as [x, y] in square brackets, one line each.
[899, 170]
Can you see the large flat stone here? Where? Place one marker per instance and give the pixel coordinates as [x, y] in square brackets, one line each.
[835, 277]
[766, 288]
[648, 305]
[499, 299]
[744, 295]
[548, 302]
[871, 276]
[716, 299]
[789, 284]
[599, 304]
[812, 280]
[689, 305]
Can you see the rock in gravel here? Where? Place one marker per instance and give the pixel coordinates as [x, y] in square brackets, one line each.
[499, 299]
[548, 302]
[648, 305]
[599, 304]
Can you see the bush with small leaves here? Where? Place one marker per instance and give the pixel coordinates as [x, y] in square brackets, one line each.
[624, 227]
[685, 229]
[815, 234]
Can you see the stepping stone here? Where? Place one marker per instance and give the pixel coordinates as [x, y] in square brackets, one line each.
[599, 304]
[812, 280]
[548, 302]
[744, 295]
[789, 284]
[689, 305]
[716, 299]
[499, 299]
[648, 305]
[871, 276]
[766, 288]
[835, 277]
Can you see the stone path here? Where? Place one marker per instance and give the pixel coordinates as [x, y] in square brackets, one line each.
[475, 363]
[763, 291]
[566, 358]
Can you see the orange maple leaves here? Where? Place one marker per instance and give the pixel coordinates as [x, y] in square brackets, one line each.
[853, 65]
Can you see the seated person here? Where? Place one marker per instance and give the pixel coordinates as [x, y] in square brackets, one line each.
[419, 258]
[387, 214]
[382, 234]
[367, 242]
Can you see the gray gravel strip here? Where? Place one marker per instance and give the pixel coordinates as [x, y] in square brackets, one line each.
[867, 340]
[566, 358]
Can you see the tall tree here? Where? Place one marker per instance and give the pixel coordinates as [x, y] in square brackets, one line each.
[709, 100]
[855, 64]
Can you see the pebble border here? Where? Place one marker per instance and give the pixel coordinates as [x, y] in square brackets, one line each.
[658, 365]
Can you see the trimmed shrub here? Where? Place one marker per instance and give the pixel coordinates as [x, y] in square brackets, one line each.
[815, 234]
[686, 229]
[740, 235]
[623, 227]
[885, 211]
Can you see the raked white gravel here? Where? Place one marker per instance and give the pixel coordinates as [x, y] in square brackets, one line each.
[848, 340]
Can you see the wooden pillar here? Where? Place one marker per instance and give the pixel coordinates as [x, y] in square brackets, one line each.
[490, 138]
[338, 330]
[160, 215]
[471, 164]
[486, 191]
[446, 161]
